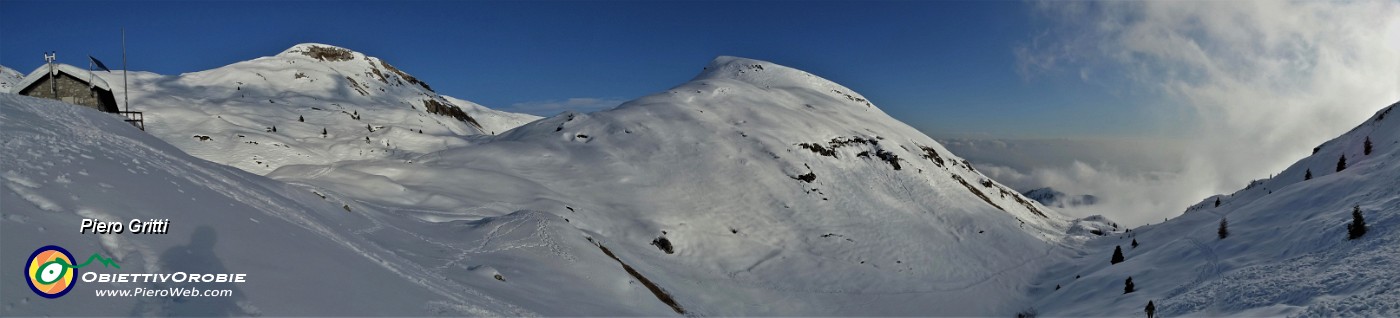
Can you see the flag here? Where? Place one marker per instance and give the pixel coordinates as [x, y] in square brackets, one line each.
[99, 64]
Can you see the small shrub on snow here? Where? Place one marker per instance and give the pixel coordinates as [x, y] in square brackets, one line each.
[663, 244]
[1357, 227]
[1224, 230]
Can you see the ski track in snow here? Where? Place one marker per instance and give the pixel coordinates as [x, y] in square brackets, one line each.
[539, 236]
[946, 286]
[1210, 270]
[460, 254]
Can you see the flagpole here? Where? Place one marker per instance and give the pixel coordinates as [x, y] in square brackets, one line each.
[126, 92]
[91, 74]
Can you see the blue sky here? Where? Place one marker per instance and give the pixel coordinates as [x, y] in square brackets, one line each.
[946, 67]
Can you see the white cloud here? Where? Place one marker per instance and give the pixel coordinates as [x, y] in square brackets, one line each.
[1265, 80]
[552, 107]
[1133, 178]
[1128, 196]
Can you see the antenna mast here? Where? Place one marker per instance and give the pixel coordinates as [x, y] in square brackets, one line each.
[49, 57]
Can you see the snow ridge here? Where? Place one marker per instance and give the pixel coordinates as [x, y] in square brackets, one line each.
[9, 78]
[311, 104]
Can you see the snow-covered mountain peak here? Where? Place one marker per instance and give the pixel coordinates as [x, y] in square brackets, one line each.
[735, 67]
[769, 75]
[752, 70]
[321, 69]
[347, 61]
[310, 104]
[323, 52]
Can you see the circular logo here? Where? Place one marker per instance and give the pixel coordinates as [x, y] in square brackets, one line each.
[50, 271]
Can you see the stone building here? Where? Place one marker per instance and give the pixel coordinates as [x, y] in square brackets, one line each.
[69, 84]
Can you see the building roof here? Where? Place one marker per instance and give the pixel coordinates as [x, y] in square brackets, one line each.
[76, 72]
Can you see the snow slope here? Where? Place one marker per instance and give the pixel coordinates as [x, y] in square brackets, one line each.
[306, 251]
[367, 108]
[779, 193]
[1287, 252]
[9, 78]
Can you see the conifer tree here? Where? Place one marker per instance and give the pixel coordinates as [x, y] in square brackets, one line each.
[1357, 228]
[1117, 255]
[1224, 230]
[301, 119]
[1217, 202]
[1135, 244]
[1128, 285]
[1308, 176]
[1342, 163]
[1368, 145]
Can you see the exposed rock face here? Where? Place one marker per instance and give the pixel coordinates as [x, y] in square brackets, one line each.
[385, 73]
[447, 109]
[328, 53]
[405, 76]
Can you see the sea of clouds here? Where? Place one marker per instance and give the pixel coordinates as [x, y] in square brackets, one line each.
[1262, 83]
